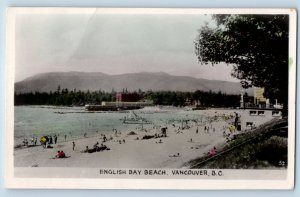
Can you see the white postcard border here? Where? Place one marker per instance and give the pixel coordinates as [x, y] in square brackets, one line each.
[83, 183]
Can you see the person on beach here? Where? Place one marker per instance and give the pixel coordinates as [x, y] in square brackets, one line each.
[224, 133]
[43, 141]
[65, 137]
[55, 139]
[96, 145]
[178, 155]
[197, 130]
[50, 140]
[49, 146]
[102, 148]
[212, 152]
[86, 149]
[32, 141]
[60, 154]
[35, 141]
[236, 119]
[85, 135]
[73, 145]
[164, 131]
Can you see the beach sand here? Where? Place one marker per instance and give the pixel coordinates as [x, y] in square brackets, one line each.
[133, 153]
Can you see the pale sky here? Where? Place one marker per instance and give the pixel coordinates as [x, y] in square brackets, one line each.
[112, 44]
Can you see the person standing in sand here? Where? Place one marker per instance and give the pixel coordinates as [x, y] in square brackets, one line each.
[73, 145]
[55, 139]
[65, 137]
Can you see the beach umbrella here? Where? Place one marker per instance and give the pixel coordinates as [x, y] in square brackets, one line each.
[43, 139]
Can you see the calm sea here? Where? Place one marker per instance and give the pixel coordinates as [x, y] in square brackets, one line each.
[35, 121]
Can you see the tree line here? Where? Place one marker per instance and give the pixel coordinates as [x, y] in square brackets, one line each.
[200, 98]
[65, 97]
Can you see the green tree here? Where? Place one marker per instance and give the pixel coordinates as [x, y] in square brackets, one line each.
[58, 89]
[256, 46]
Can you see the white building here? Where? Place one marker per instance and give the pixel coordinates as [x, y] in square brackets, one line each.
[251, 118]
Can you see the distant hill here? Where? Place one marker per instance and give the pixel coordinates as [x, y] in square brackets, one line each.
[92, 81]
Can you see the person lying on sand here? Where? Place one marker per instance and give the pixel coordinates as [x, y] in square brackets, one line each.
[96, 145]
[60, 154]
[178, 155]
[49, 146]
[86, 150]
[95, 149]
[102, 148]
[212, 152]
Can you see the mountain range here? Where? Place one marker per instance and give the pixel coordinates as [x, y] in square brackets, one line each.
[95, 81]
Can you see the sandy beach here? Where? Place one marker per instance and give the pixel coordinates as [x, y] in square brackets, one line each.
[180, 146]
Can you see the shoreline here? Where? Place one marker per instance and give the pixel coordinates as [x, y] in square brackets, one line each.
[186, 140]
[135, 153]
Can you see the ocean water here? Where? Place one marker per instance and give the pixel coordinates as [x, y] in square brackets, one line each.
[36, 121]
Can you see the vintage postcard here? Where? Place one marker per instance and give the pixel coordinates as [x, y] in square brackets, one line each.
[116, 98]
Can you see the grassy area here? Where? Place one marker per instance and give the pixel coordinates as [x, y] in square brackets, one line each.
[265, 147]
